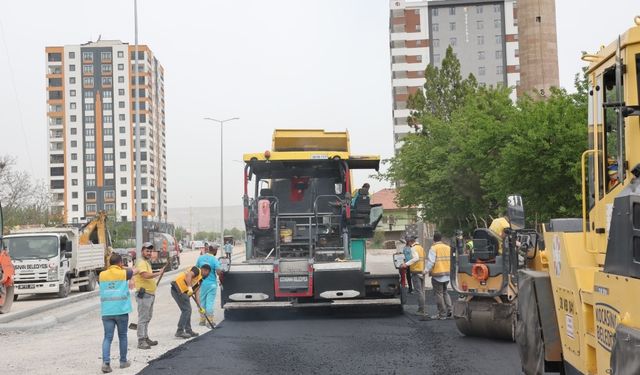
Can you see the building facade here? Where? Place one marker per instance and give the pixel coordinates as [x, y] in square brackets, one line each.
[484, 35]
[91, 128]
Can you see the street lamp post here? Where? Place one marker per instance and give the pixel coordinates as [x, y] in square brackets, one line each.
[138, 182]
[221, 122]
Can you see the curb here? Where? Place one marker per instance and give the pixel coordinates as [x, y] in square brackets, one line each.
[50, 306]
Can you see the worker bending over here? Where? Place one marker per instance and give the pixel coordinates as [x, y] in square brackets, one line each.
[182, 288]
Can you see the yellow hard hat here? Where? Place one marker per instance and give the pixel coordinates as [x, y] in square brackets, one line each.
[499, 225]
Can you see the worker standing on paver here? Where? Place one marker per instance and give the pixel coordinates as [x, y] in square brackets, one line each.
[416, 267]
[439, 266]
[209, 286]
[115, 306]
[145, 295]
[182, 288]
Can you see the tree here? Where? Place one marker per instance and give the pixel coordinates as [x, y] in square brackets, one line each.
[180, 233]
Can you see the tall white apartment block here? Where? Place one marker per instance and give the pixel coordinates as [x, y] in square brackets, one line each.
[90, 123]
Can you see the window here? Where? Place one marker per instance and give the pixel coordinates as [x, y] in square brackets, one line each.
[72, 93]
[107, 81]
[123, 167]
[107, 94]
[120, 66]
[109, 207]
[498, 39]
[87, 81]
[108, 156]
[453, 42]
[435, 27]
[108, 131]
[123, 155]
[143, 143]
[123, 180]
[74, 195]
[107, 119]
[121, 79]
[74, 207]
[90, 208]
[497, 24]
[74, 156]
[55, 94]
[122, 130]
[480, 40]
[121, 117]
[89, 107]
[90, 182]
[89, 119]
[105, 56]
[109, 195]
[480, 55]
[90, 195]
[452, 11]
[434, 11]
[72, 80]
[74, 131]
[479, 9]
[143, 155]
[435, 42]
[436, 59]
[108, 106]
[120, 54]
[87, 69]
[87, 56]
[74, 144]
[144, 194]
[479, 25]
[120, 91]
[120, 104]
[73, 118]
[90, 144]
[74, 169]
[72, 55]
[72, 68]
[417, 29]
[452, 26]
[54, 56]
[123, 193]
[140, 55]
[499, 69]
[496, 8]
[481, 70]
[88, 94]
[72, 105]
[106, 68]
[90, 157]
[143, 182]
[499, 54]
[123, 206]
[89, 132]
[123, 142]
[74, 182]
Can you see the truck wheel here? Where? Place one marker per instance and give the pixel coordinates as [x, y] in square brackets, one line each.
[91, 283]
[176, 263]
[7, 299]
[15, 297]
[65, 288]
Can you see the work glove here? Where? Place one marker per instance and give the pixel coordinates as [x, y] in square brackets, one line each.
[190, 292]
[202, 311]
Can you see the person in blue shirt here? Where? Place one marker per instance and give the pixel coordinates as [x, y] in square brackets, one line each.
[115, 306]
[363, 191]
[228, 250]
[209, 286]
[407, 257]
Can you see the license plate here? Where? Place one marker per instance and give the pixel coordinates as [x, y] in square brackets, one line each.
[26, 286]
[294, 279]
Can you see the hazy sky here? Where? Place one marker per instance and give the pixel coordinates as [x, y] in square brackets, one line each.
[274, 64]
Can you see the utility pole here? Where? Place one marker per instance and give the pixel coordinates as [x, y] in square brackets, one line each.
[137, 140]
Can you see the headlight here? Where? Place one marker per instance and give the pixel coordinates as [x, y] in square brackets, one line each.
[52, 273]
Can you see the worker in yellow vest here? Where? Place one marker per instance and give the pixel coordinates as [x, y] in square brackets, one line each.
[182, 288]
[439, 266]
[416, 268]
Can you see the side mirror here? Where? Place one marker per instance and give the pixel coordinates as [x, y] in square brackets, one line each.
[68, 255]
[338, 189]
[515, 211]
[68, 247]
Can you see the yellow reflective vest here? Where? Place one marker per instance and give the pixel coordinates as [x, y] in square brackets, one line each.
[181, 281]
[442, 266]
[418, 267]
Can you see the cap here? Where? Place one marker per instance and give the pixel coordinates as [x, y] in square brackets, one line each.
[147, 245]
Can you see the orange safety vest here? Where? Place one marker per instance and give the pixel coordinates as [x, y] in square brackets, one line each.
[442, 266]
[418, 267]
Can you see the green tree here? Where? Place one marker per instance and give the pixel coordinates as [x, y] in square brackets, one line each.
[180, 233]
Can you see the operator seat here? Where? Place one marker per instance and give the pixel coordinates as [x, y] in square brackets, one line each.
[486, 245]
[361, 208]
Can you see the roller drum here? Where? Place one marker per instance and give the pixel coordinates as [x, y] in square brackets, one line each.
[485, 318]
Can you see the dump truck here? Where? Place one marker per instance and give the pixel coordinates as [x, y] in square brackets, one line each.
[306, 238]
[6, 273]
[579, 313]
[55, 259]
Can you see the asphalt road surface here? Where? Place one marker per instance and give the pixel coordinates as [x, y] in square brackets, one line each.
[339, 342]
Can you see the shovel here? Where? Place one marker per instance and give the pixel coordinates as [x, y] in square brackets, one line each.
[134, 326]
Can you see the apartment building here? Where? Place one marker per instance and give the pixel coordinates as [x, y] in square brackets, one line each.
[484, 35]
[91, 127]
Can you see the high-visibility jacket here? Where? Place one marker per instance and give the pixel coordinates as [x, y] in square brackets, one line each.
[114, 291]
[418, 267]
[181, 281]
[442, 266]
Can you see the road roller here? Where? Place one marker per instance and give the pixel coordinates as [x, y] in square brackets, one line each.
[485, 275]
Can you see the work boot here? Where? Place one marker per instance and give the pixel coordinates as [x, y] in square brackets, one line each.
[125, 364]
[143, 344]
[151, 342]
[106, 368]
[449, 315]
[182, 334]
[191, 333]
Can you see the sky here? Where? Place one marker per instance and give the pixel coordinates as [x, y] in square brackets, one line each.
[286, 64]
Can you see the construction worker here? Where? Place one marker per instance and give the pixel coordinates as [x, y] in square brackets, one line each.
[439, 265]
[228, 250]
[115, 306]
[416, 268]
[145, 295]
[182, 288]
[209, 285]
[407, 257]
[363, 191]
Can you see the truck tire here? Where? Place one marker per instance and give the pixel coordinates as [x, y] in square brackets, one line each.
[65, 288]
[91, 283]
[15, 297]
[175, 264]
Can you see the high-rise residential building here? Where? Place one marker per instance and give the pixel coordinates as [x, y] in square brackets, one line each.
[484, 35]
[91, 128]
